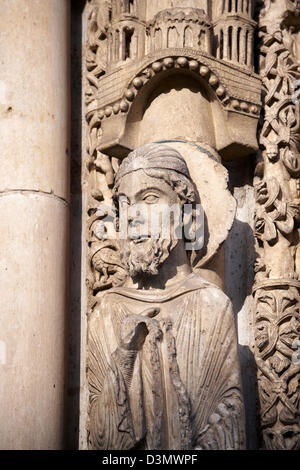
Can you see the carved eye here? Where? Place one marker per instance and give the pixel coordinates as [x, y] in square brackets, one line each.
[150, 198]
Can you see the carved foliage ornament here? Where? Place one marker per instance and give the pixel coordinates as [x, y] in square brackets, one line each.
[276, 182]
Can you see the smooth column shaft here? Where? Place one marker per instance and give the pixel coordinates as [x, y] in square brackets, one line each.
[34, 213]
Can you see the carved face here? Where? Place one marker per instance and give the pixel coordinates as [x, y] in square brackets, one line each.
[262, 335]
[272, 151]
[144, 206]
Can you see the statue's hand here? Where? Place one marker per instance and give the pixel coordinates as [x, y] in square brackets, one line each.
[135, 328]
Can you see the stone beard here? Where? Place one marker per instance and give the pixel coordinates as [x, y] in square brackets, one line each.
[163, 367]
[145, 257]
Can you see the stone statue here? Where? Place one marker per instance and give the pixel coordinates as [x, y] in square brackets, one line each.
[163, 366]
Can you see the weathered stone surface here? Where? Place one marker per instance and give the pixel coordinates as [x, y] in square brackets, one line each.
[276, 182]
[157, 373]
[128, 54]
[34, 190]
[187, 74]
[34, 88]
[33, 253]
[211, 180]
[181, 77]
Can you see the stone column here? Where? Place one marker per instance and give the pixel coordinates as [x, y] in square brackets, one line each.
[122, 44]
[218, 33]
[225, 44]
[235, 44]
[242, 58]
[34, 213]
[250, 48]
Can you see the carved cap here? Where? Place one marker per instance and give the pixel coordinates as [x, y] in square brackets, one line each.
[188, 14]
[153, 156]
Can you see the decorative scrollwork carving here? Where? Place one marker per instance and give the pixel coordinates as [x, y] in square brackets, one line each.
[104, 266]
[277, 328]
[276, 183]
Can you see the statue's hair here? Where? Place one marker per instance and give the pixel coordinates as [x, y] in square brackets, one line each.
[153, 156]
[160, 161]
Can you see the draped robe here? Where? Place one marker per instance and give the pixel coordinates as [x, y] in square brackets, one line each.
[182, 390]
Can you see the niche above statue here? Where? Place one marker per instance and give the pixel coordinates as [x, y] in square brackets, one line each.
[202, 57]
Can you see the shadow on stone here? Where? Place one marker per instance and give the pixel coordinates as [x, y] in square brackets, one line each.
[74, 327]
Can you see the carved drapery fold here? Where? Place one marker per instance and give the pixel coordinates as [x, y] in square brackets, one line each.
[131, 392]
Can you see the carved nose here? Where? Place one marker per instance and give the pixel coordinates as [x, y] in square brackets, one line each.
[134, 216]
[134, 219]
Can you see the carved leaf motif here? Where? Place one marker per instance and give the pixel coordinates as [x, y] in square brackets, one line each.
[279, 363]
[277, 312]
[273, 188]
[271, 90]
[291, 160]
[289, 333]
[270, 232]
[261, 192]
[286, 226]
[270, 62]
[294, 386]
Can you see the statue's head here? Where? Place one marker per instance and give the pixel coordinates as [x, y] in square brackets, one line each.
[152, 186]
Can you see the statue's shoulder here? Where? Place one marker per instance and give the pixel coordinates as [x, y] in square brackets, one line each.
[112, 296]
[207, 289]
[102, 309]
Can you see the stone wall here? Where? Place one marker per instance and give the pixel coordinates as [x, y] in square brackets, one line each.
[213, 87]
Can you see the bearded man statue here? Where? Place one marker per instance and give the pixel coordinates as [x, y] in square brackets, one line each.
[163, 366]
